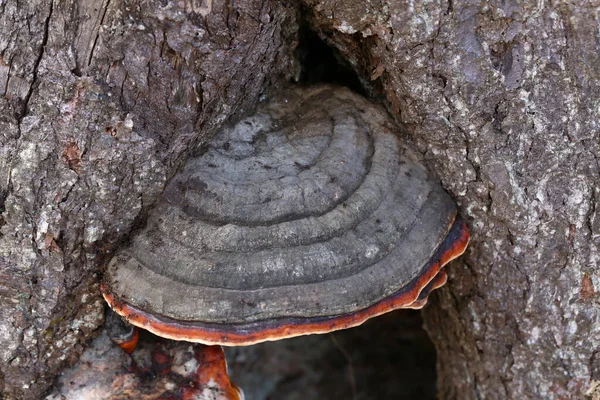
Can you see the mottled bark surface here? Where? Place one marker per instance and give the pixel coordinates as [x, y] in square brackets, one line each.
[100, 102]
[503, 100]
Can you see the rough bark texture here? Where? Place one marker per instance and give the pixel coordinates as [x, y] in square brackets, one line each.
[503, 99]
[100, 102]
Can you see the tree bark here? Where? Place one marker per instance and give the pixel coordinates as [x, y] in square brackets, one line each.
[101, 104]
[502, 99]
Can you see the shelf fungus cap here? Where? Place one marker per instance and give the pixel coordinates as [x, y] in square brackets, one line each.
[307, 217]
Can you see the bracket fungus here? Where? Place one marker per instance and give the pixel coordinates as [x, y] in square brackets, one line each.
[308, 217]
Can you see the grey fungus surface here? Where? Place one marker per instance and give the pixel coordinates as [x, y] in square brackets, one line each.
[311, 208]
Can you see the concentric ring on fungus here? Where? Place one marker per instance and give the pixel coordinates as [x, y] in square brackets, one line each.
[307, 217]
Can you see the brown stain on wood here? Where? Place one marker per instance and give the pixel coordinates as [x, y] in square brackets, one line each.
[72, 156]
[587, 287]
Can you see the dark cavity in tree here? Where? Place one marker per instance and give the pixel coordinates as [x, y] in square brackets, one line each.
[321, 63]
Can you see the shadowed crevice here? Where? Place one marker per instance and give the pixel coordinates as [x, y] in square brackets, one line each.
[321, 63]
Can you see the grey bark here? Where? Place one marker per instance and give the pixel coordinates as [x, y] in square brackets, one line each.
[503, 100]
[100, 104]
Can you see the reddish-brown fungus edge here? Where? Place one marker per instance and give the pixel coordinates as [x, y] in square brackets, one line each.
[437, 282]
[129, 342]
[246, 334]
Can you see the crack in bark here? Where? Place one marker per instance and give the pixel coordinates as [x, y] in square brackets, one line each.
[36, 66]
[7, 74]
[588, 216]
[89, 63]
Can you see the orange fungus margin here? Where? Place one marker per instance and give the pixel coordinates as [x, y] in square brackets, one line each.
[413, 295]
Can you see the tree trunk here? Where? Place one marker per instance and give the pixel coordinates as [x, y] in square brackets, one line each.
[503, 100]
[101, 104]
